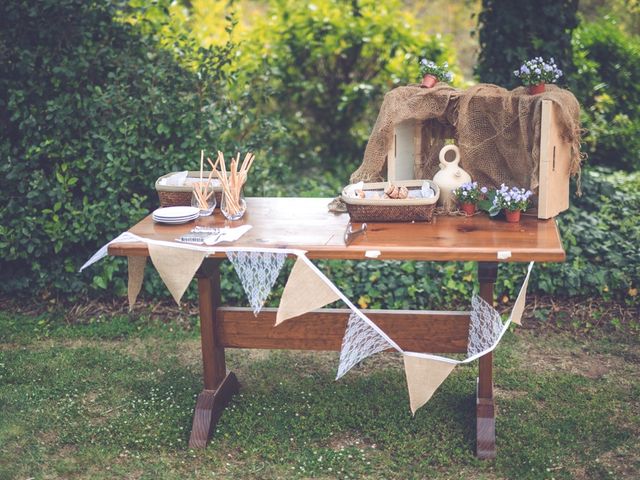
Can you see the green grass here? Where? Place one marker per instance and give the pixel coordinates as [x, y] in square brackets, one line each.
[113, 398]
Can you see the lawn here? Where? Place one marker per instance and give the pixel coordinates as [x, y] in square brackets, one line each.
[112, 397]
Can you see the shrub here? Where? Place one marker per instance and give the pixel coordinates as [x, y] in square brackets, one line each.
[511, 32]
[600, 235]
[607, 84]
[91, 114]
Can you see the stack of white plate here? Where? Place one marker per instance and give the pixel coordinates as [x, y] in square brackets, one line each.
[175, 215]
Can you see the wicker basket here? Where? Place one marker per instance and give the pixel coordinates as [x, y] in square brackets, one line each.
[173, 196]
[416, 209]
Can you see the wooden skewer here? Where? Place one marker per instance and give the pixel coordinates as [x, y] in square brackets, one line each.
[201, 164]
[244, 162]
[199, 197]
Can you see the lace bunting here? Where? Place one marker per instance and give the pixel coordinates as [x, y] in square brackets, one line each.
[359, 342]
[485, 326]
[258, 272]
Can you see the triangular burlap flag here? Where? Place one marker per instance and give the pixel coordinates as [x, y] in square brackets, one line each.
[176, 266]
[305, 291]
[521, 301]
[136, 274]
[424, 376]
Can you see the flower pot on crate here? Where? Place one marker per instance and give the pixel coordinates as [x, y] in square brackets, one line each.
[513, 216]
[428, 81]
[536, 89]
[468, 208]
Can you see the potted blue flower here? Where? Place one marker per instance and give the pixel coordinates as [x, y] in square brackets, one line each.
[468, 195]
[535, 73]
[432, 72]
[510, 200]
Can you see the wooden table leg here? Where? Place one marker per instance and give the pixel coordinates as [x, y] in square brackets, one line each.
[485, 408]
[219, 386]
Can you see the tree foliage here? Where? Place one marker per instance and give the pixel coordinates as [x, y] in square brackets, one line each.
[511, 32]
[324, 67]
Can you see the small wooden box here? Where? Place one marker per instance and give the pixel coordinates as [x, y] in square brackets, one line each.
[555, 160]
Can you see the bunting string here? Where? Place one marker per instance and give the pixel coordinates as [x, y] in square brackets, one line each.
[258, 269]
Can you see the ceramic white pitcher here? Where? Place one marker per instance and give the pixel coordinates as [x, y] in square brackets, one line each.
[450, 177]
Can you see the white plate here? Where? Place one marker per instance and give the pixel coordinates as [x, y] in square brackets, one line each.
[174, 222]
[172, 219]
[175, 212]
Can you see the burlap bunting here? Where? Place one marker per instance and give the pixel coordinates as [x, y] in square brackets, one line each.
[424, 376]
[176, 266]
[518, 307]
[305, 291]
[136, 274]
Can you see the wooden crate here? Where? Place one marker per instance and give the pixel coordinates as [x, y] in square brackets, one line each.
[555, 160]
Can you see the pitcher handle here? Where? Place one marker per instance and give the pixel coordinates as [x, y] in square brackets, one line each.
[443, 152]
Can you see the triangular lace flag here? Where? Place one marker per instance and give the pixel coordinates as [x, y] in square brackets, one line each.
[258, 272]
[485, 326]
[359, 342]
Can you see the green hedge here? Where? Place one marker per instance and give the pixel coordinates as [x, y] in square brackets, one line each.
[607, 83]
[513, 31]
[91, 114]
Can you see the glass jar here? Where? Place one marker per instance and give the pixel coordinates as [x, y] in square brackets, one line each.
[205, 210]
[233, 208]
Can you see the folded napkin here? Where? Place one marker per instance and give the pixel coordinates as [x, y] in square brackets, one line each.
[175, 180]
[227, 235]
[351, 190]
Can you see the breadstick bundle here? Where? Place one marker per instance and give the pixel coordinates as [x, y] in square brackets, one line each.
[203, 190]
[232, 180]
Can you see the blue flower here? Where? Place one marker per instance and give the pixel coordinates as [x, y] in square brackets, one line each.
[484, 190]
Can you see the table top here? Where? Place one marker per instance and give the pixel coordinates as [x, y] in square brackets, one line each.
[305, 223]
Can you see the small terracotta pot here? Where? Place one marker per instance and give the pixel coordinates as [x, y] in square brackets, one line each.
[468, 208]
[428, 81]
[512, 216]
[536, 89]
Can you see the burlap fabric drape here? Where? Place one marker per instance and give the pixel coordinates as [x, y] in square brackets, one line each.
[497, 130]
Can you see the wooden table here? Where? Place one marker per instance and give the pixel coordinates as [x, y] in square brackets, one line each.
[305, 223]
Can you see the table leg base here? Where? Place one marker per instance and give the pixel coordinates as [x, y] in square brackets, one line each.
[209, 408]
[485, 428]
